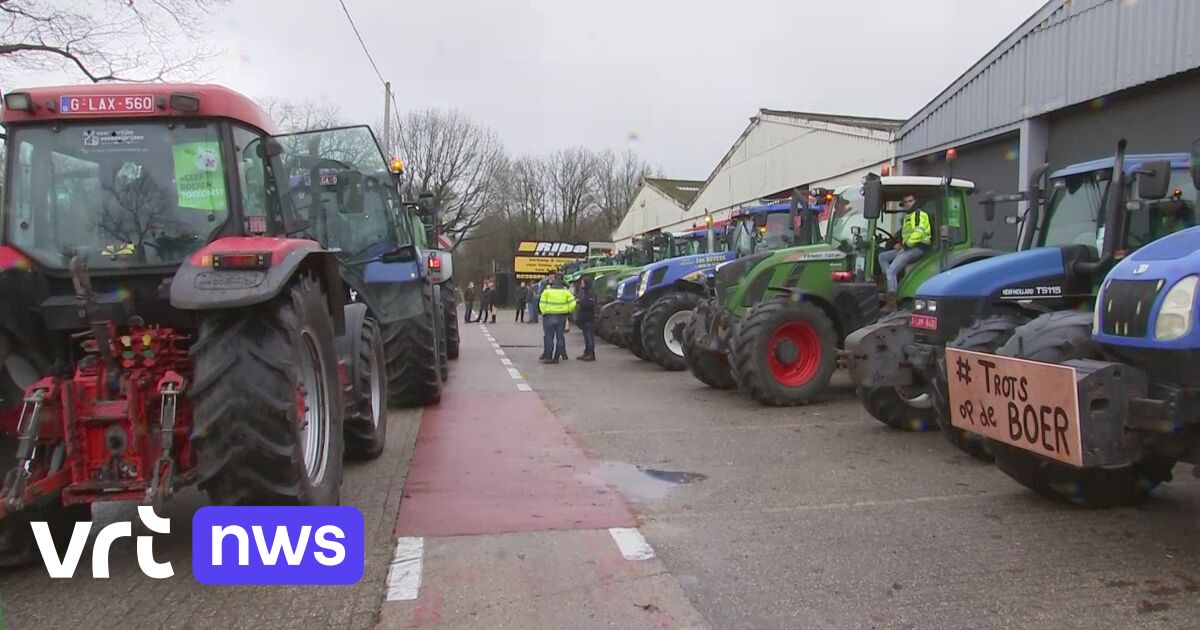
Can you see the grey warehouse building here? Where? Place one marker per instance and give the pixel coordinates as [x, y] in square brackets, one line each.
[1062, 88]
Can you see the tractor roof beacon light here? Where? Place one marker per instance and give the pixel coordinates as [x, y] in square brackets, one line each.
[397, 166]
[184, 102]
[951, 153]
[886, 170]
[18, 101]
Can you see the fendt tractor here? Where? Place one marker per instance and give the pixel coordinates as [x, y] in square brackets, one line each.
[669, 290]
[1095, 408]
[616, 306]
[899, 364]
[179, 310]
[777, 319]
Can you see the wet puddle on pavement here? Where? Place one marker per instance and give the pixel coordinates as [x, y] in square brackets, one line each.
[639, 482]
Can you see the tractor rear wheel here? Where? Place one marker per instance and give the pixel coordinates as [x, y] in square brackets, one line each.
[711, 368]
[18, 547]
[983, 335]
[267, 403]
[785, 352]
[1055, 338]
[439, 299]
[905, 408]
[450, 307]
[662, 329]
[365, 423]
[414, 370]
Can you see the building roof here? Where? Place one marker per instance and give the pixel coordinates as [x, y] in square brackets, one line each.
[1068, 52]
[878, 124]
[683, 191]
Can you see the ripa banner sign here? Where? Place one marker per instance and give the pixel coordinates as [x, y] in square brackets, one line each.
[537, 259]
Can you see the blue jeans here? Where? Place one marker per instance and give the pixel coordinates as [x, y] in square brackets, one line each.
[467, 318]
[552, 336]
[894, 261]
[589, 336]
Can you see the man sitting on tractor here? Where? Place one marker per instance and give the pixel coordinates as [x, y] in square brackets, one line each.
[915, 242]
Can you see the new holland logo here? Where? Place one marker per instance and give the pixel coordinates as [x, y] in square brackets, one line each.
[1141, 269]
[553, 248]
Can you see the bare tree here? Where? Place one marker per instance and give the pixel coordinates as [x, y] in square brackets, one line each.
[570, 173]
[617, 181]
[106, 40]
[293, 116]
[454, 158]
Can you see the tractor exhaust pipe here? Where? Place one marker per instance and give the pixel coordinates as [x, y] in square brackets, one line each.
[1113, 223]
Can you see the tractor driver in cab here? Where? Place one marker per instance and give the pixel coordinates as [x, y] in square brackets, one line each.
[1176, 214]
[916, 239]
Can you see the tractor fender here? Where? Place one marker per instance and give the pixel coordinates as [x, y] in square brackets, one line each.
[969, 255]
[876, 355]
[198, 286]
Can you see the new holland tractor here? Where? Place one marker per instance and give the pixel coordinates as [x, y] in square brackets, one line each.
[778, 318]
[180, 311]
[1095, 408]
[613, 317]
[899, 364]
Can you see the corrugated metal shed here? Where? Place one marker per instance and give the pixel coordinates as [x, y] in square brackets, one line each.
[1069, 52]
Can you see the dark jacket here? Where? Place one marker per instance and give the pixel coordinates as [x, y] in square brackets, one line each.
[522, 294]
[585, 305]
[469, 294]
[489, 297]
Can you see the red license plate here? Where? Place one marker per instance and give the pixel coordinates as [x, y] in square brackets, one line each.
[924, 322]
[118, 104]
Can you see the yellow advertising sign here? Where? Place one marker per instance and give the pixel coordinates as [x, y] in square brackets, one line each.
[537, 259]
[537, 267]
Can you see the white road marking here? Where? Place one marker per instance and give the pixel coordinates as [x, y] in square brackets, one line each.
[499, 352]
[524, 387]
[495, 345]
[514, 373]
[404, 575]
[507, 362]
[631, 543]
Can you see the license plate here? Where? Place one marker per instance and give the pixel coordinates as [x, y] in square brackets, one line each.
[924, 322]
[122, 104]
[1022, 403]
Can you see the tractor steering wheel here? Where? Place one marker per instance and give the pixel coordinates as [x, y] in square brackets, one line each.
[883, 238]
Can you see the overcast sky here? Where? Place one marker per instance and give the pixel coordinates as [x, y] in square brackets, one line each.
[675, 80]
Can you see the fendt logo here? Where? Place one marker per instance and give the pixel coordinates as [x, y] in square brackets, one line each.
[232, 545]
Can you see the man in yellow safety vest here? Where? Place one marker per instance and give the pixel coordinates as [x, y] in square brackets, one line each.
[556, 303]
[916, 237]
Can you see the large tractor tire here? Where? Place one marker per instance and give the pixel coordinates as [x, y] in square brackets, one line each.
[711, 368]
[365, 422]
[905, 408]
[662, 329]
[414, 369]
[18, 547]
[633, 339]
[450, 307]
[785, 352]
[267, 400]
[440, 325]
[984, 335]
[1055, 338]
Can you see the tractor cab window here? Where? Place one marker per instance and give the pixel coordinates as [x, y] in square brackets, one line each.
[1073, 215]
[844, 216]
[338, 190]
[119, 194]
[1156, 218]
[743, 237]
[775, 230]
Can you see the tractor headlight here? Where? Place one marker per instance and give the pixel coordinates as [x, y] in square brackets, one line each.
[919, 305]
[643, 280]
[1175, 316]
[931, 305]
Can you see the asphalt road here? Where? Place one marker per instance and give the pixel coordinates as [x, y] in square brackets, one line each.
[821, 517]
[817, 517]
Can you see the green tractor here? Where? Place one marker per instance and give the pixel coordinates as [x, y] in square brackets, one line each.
[614, 312]
[778, 318]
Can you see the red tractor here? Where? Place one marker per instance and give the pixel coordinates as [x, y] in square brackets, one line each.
[188, 298]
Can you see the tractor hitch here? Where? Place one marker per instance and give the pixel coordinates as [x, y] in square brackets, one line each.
[28, 428]
[879, 354]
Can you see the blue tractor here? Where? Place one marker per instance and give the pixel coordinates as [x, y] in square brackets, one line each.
[1106, 401]
[1066, 245]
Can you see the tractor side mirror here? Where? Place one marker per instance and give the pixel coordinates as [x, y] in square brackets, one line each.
[989, 206]
[872, 196]
[1154, 179]
[1196, 163]
[350, 187]
[268, 148]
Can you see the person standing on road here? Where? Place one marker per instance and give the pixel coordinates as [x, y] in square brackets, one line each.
[522, 299]
[555, 304]
[916, 237]
[537, 299]
[585, 316]
[469, 300]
